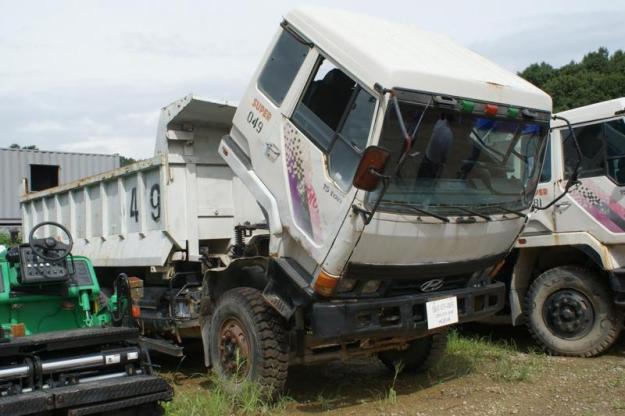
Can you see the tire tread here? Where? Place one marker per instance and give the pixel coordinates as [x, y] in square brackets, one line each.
[272, 337]
[610, 336]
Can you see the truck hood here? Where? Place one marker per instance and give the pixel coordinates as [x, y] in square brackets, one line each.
[392, 239]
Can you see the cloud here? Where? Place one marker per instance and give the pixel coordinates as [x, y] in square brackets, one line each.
[147, 118]
[556, 39]
[43, 126]
[137, 147]
[98, 83]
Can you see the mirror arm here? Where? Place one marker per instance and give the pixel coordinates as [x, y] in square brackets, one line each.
[567, 187]
[578, 150]
[572, 181]
[404, 132]
[367, 216]
[378, 174]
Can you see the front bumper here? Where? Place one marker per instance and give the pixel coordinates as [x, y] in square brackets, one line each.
[102, 396]
[401, 315]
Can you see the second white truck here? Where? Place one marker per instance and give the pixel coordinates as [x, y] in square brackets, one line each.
[567, 273]
[369, 184]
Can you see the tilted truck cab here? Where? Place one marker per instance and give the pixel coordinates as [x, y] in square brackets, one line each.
[567, 272]
[354, 269]
[358, 201]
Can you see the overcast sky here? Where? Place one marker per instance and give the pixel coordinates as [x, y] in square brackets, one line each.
[90, 76]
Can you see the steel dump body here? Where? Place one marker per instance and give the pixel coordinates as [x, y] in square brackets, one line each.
[156, 210]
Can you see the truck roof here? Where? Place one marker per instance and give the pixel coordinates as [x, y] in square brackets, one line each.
[397, 55]
[596, 111]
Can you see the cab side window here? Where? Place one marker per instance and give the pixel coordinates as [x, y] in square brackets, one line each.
[603, 150]
[282, 66]
[591, 145]
[336, 114]
[614, 132]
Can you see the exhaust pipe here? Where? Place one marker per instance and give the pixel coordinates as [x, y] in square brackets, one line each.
[15, 371]
[88, 361]
[103, 359]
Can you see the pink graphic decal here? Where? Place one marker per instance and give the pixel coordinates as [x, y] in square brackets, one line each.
[299, 171]
[603, 207]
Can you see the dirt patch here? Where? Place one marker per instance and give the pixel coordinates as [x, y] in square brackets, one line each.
[487, 371]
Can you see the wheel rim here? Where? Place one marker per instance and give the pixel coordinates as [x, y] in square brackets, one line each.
[234, 349]
[569, 314]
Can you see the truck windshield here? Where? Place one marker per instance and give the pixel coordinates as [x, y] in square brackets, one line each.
[461, 161]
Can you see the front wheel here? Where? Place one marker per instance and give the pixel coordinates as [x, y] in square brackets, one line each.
[248, 342]
[421, 354]
[569, 311]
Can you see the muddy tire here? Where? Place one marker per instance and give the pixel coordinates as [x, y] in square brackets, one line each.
[569, 311]
[421, 355]
[248, 342]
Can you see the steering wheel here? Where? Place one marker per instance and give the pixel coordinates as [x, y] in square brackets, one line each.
[49, 248]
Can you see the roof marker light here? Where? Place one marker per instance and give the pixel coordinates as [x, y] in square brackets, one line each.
[513, 112]
[490, 109]
[466, 105]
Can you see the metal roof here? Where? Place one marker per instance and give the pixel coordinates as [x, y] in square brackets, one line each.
[596, 111]
[397, 55]
[15, 166]
[58, 152]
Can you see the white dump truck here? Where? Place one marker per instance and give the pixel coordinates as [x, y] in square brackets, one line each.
[357, 202]
[567, 272]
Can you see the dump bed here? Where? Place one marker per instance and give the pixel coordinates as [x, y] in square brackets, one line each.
[156, 210]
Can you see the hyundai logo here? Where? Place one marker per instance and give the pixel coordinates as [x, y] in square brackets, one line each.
[432, 285]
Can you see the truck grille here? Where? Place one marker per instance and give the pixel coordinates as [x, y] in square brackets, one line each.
[405, 287]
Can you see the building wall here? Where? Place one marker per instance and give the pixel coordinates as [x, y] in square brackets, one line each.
[15, 166]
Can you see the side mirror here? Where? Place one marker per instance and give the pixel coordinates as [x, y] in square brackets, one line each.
[370, 168]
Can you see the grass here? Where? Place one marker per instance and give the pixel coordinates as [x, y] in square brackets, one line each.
[391, 396]
[5, 240]
[217, 401]
[618, 404]
[618, 380]
[325, 404]
[500, 360]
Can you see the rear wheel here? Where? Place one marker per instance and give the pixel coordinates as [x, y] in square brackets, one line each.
[248, 342]
[421, 354]
[569, 311]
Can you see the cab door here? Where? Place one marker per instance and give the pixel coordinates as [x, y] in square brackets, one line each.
[304, 122]
[541, 222]
[597, 204]
[323, 141]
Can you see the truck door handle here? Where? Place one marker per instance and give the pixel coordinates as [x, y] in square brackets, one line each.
[563, 205]
[271, 151]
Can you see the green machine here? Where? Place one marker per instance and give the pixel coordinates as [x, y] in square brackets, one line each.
[65, 347]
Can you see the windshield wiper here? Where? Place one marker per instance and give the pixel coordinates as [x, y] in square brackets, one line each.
[511, 211]
[469, 211]
[418, 210]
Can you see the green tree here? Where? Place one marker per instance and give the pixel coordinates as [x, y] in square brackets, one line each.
[125, 161]
[28, 147]
[597, 77]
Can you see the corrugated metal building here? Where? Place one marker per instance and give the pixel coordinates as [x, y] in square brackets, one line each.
[42, 170]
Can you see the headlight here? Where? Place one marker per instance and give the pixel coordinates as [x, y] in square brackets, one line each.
[371, 286]
[479, 279]
[346, 285]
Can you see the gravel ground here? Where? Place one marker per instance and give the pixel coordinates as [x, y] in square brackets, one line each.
[487, 371]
